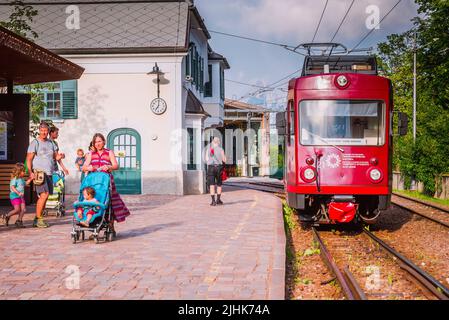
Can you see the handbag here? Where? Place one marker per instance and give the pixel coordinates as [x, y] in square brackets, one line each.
[224, 175]
[39, 177]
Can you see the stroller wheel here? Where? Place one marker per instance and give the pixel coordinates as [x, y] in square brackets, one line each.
[73, 238]
[78, 234]
[83, 235]
[97, 241]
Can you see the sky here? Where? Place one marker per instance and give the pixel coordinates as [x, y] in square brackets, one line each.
[290, 22]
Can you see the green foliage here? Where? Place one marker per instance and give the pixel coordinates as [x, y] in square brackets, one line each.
[426, 159]
[19, 19]
[18, 23]
[289, 221]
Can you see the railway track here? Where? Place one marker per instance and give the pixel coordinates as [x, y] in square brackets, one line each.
[278, 189]
[274, 189]
[350, 287]
[432, 288]
[425, 203]
[440, 211]
[425, 280]
[353, 291]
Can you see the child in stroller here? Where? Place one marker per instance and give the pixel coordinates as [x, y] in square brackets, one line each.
[56, 201]
[93, 210]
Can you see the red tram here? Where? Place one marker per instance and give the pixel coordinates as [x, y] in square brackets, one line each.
[338, 130]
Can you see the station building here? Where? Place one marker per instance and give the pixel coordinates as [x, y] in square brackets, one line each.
[152, 84]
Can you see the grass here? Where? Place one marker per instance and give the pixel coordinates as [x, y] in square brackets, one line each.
[420, 196]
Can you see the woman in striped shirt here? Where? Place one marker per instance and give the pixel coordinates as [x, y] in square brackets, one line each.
[102, 159]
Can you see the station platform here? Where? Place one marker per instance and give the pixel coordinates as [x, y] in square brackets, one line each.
[169, 248]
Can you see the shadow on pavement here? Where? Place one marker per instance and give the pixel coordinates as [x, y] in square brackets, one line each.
[135, 233]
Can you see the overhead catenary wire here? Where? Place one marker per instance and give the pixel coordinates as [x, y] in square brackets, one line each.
[321, 19]
[374, 28]
[343, 20]
[272, 85]
[282, 45]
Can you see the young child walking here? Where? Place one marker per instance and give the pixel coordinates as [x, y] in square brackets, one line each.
[89, 196]
[17, 193]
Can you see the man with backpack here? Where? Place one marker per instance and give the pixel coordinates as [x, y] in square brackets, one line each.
[41, 157]
[54, 134]
[215, 159]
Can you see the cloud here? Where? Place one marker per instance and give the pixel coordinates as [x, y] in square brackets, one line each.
[295, 21]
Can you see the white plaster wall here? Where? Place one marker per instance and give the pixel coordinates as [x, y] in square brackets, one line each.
[115, 92]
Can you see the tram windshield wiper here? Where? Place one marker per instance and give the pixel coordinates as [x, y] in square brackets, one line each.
[323, 140]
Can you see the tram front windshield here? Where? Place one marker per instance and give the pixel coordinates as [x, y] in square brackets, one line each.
[342, 122]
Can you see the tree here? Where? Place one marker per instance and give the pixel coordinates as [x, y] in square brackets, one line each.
[19, 20]
[18, 23]
[427, 158]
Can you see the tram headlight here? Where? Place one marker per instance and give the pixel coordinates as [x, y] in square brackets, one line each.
[342, 81]
[375, 175]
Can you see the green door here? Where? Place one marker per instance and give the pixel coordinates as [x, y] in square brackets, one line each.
[126, 145]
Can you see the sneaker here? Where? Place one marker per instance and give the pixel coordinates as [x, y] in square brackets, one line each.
[213, 203]
[7, 220]
[219, 203]
[41, 223]
[19, 224]
[35, 222]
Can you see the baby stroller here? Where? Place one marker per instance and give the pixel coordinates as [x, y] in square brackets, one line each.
[101, 182]
[57, 199]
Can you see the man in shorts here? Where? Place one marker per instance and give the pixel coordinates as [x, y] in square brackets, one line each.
[54, 134]
[215, 159]
[42, 155]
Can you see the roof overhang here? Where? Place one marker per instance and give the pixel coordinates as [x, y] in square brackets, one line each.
[194, 106]
[242, 106]
[24, 62]
[200, 20]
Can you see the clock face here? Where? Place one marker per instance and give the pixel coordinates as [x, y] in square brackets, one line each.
[158, 106]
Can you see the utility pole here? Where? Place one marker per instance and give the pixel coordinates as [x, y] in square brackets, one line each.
[248, 146]
[414, 88]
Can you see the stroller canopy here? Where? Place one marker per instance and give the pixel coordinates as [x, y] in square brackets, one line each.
[100, 181]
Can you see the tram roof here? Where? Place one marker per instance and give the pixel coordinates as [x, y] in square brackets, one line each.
[365, 64]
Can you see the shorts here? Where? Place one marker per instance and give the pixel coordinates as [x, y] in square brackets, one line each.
[47, 186]
[17, 201]
[214, 175]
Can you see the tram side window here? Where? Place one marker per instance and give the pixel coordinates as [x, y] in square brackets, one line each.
[291, 123]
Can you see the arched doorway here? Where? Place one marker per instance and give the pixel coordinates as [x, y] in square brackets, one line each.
[126, 144]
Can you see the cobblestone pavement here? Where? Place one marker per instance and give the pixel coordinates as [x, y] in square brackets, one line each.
[169, 248]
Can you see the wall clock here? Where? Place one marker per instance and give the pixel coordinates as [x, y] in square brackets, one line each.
[158, 106]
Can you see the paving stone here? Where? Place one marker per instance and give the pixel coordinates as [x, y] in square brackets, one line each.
[169, 248]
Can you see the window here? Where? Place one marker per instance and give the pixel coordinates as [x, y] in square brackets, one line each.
[60, 100]
[342, 122]
[208, 86]
[291, 123]
[201, 78]
[191, 149]
[222, 84]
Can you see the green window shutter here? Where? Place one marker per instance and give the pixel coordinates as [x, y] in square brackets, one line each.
[197, 71]
[69, 99]
[208, 86]
[201, 75]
